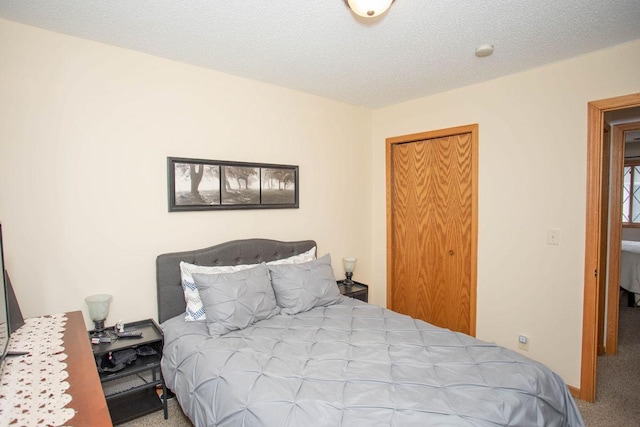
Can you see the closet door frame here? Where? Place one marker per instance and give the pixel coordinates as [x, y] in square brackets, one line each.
[471, 129]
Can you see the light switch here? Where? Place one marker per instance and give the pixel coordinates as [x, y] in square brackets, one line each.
[553, 236]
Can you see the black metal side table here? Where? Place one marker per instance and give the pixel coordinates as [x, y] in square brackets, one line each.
[357, 290]
[131, 391]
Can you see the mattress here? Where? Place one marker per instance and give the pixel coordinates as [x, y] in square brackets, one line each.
[630, 266]
[356, 364]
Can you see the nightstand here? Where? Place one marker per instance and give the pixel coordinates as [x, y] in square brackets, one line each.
[131, 391]
[357, 290]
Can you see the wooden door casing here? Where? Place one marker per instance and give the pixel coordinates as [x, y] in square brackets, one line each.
[593, 238]
[604, 230]
[432, 226]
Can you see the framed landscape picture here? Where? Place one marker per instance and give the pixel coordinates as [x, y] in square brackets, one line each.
[197, 184]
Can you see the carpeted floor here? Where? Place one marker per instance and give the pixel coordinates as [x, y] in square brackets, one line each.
[176, 418]
[618, 398]
[618, 401]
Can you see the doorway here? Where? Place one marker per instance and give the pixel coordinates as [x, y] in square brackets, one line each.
[595, 220]
[619, 141]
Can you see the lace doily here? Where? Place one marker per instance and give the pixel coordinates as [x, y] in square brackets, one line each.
[33, 387]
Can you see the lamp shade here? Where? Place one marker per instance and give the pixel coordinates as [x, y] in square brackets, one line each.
[98, 306]
[369, 8]
[349, 264]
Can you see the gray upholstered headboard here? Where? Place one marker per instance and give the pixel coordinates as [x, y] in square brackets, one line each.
[250, 251]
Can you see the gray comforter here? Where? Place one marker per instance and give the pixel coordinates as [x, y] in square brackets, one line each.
[355, 364]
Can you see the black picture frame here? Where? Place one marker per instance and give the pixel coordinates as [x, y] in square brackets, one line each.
[199, 185]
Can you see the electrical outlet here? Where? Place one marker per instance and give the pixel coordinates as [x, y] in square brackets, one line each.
[523, 342]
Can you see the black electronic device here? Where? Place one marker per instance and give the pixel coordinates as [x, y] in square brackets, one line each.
[4, 308]
[101, 340]
[10, 314]
[129, 334]
[15, 314]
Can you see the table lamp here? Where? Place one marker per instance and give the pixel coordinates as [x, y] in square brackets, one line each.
[349, 264]
[98, 311]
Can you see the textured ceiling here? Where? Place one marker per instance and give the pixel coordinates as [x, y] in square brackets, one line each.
[420, 47]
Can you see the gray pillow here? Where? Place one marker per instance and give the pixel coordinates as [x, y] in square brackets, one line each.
[236, 300]
[300, 287]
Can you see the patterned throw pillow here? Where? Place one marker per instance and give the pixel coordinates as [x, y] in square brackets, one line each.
[195, 310]
[236, 300]
[301, 287]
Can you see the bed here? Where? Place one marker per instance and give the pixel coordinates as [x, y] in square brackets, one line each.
[630, 269]
[342, 363]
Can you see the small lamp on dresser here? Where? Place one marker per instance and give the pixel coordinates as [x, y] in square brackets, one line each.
[349, 264]
[98, 311]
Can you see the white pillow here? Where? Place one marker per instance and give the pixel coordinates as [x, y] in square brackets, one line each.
[195, 309]
[310, 255]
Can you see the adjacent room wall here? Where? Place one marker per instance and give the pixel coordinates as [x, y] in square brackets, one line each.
[85, 130]
[532, 177]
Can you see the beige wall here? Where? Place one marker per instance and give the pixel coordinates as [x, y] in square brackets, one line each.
[85, 130]
[631, 234]
[532, 177]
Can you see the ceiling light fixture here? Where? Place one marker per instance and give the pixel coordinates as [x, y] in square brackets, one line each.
[368, 8]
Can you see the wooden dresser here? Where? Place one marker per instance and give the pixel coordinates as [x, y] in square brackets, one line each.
[87, 396]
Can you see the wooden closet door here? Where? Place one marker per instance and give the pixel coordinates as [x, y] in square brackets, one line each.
[432, 229]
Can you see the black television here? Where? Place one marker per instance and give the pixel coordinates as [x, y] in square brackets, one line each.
[15, 314]
[10, 313]
[4, 308]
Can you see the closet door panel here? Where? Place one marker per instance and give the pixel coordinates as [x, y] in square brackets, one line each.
[431, 230]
